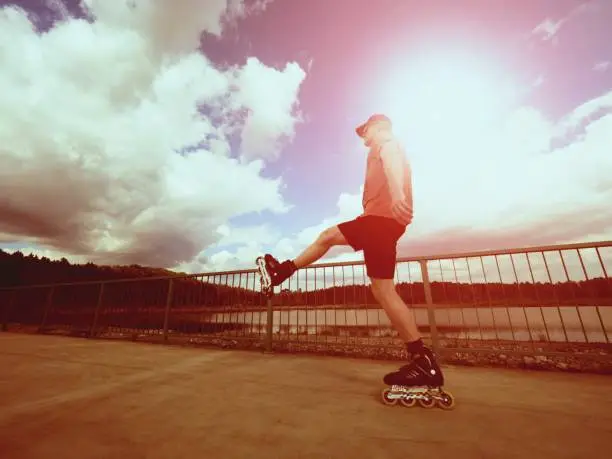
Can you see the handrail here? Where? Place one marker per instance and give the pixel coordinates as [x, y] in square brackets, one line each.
[448, 256]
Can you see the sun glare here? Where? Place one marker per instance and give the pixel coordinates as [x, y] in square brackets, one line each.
[442, 102]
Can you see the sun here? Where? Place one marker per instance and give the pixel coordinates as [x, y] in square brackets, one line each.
[447, 100]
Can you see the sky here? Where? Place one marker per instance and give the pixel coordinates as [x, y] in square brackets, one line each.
[195, 135]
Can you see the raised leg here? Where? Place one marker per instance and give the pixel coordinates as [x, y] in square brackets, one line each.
[327, 239]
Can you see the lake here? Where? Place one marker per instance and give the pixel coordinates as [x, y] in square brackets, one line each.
[546, 323]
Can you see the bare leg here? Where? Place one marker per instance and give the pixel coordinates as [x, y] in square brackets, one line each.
[400, 316]
[326, 240]
[423, 369]
[282, 271]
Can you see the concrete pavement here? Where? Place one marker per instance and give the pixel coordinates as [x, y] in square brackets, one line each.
[77, 398]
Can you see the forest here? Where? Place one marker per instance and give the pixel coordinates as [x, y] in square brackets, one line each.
[18, 270]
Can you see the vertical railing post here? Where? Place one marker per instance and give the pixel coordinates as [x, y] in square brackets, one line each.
[9, 308]
[94, 323]
[48, 305]
[269, 324]
[167, 309]
[430, 306]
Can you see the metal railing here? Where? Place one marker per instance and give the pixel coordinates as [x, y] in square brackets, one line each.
[546, 306]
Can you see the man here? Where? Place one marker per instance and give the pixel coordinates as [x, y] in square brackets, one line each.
[388, 210]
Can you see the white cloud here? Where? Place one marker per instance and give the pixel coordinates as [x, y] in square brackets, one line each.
[581, 116]
[549, 29]
[240, 246]
[94, 112]
[269, 96]
[93, 116]
[508, 189]
[349, 207]
[539, 81]
[515, 190]
[170, 26]
[58, 7]
[601, 66]
[232, 235]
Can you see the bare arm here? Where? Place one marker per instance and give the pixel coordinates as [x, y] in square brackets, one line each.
[393, 164]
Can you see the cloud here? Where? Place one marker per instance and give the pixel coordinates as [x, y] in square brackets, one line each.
[548, 29]
[115, 135]
[170, 27]
[235, 248]
[97, 111]
[576, 122]
[269, 96]
[239, 246]
[539, 81]
[525, 193]
[601, 66]
[514, 189]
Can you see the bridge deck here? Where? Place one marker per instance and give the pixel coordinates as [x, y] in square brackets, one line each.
[78, 398]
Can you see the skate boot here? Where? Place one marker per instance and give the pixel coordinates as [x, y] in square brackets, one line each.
[273, 273]
[420, 382]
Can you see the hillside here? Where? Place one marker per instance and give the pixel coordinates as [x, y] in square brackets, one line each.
[19, 269]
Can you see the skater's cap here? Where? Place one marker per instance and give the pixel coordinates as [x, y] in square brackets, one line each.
[376, 118]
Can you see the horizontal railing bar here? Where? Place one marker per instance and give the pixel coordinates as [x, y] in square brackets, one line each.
[484, 253]
[132, 279]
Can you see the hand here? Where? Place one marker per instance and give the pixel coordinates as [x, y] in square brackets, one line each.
[402, 212]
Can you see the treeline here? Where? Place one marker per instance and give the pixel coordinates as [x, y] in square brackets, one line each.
[19, 270]
[590, 292]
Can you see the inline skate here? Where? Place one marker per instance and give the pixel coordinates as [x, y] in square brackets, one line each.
[273, 273]
[420, 382]
[265, 278]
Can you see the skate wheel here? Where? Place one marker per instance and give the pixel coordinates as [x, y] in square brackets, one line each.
[446, 401]
[386, 399]
[408, 402]
[427, 402]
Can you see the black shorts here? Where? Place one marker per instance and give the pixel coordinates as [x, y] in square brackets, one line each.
[377, 237]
